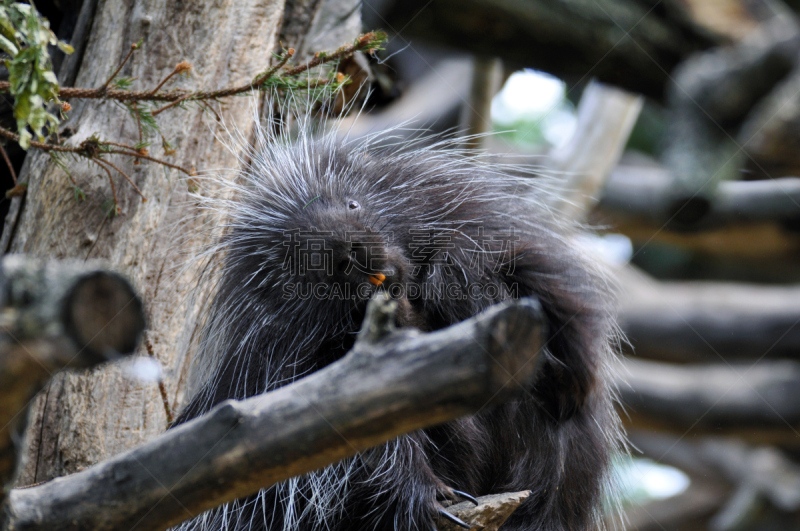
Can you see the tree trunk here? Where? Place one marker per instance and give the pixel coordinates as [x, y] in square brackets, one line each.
[81, 419]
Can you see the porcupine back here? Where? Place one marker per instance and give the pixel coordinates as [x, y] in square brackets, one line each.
[454, 234]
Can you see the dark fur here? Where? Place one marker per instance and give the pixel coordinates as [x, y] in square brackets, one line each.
[556, 441]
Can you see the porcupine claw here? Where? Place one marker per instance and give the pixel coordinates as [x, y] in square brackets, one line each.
[463, 495]
[455, 519]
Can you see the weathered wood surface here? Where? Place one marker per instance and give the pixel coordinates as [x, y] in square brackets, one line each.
[606, 116]
[55, 315]
[490, 513]
[392, 382]
[81, 419]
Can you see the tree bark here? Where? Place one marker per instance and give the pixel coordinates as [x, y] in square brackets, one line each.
[81, 419]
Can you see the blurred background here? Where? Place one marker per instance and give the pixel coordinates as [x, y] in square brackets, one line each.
[674, 127]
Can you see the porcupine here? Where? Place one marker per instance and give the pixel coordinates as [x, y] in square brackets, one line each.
[461, 233]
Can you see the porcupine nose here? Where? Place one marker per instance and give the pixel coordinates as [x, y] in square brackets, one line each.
[360, 259]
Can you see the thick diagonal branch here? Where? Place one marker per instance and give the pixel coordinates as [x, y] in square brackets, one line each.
[389, 384]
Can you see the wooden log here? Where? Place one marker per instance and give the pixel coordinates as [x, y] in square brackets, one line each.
[708, 322]
[757, 403]
[393, 381]
[626, 43]
[643, 192]
[743, 219]
[55, 315]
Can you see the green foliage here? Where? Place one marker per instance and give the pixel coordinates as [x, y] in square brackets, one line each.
[110, 208]
[78, 193]
[24, 36]
[525, 132]
[121, 83]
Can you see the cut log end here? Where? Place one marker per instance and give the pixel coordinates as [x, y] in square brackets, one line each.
[103, 314]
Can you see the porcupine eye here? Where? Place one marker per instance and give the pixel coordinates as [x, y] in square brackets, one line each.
[353, 205]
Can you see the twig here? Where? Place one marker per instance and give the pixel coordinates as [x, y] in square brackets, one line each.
[144, 199]
[269, 73]
[39, 145]
[365, 42]
[183, 66]
[91, 149]
[153, 159]
[124, 146]
[162, 388]
[173, 104]
[8, 162]
[110, 180]
[134, 46]
[211, 109]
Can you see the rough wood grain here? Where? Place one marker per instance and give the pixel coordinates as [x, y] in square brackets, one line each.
[83, 419]
[392, 382]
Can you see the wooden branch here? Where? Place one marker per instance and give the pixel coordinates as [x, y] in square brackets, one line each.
[606, 116]
[706, 322]
[626, 43]
[476, 112]
[643, 192]
[56, 315]
[758, 403]
[489, 515]
[366, 42]
[390, 383]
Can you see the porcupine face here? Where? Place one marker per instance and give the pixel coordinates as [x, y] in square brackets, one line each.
[322, 244]
[424, 227]
[338, 252]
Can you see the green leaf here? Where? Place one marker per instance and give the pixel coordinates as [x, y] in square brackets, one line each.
[8, 46]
